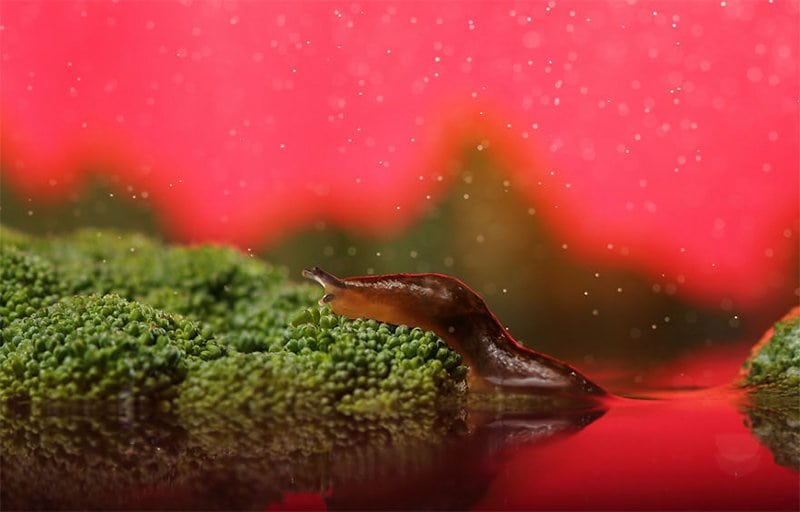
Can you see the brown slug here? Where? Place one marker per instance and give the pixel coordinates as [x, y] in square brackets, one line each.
[458, 315]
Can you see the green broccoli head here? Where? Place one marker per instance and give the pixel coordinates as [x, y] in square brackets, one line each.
[202, 282]
[136, 317]
[777, 362]
[324, 363]
[28, 283]
[97, 348]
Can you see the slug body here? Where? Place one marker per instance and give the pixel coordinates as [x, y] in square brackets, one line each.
[458, 315]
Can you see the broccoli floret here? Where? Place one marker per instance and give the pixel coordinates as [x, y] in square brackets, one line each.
[777, 362]
[323, 363]
[219, 287]
[203, 282]
[772, 374]
[274, 348]
[28, 283]
[96, 348]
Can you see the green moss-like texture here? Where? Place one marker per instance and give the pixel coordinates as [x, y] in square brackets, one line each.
[28, 284]
[100, 315]
[777, 362]
[324, 363]
[95, 348]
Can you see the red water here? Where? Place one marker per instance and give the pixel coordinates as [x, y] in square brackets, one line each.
[692, 451]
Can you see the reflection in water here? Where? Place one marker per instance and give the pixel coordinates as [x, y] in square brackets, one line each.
[152, 460]
[687, 450]
[58, 459]
[774, 418]
[456, 472]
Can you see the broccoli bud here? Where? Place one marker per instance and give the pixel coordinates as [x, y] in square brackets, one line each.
[98, 348]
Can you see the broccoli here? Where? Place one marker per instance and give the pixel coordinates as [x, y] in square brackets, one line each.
[236, 366]
[324, 363]
[772, 377]
[100, 314]
[203, 282]
[28, 283]
[98, 347]
[777, 361]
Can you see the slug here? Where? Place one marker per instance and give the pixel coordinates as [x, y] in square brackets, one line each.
[458, 315]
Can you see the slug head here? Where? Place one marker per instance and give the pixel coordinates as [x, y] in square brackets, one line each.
[328, 281]
[430, 301]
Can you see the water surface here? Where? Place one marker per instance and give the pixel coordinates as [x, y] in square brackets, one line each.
[712, 449]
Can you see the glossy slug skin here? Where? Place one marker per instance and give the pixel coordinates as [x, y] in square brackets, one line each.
[459, 316]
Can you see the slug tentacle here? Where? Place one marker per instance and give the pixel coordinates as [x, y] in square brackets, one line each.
[458, 315]
[327, 280]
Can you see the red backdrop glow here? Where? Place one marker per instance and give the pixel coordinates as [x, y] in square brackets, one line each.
[662, 136]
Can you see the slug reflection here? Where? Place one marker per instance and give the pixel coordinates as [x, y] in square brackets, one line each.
[457, 473]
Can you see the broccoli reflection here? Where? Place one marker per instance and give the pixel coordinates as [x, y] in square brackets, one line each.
[66, 459]
[145, 458]
[773, 415]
